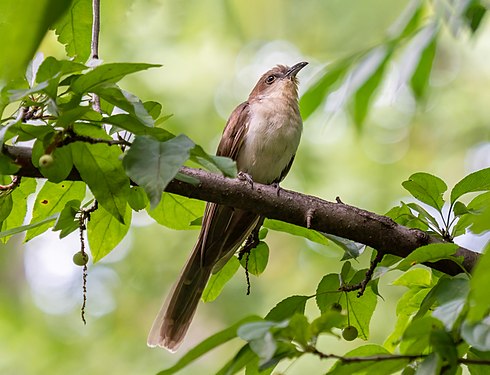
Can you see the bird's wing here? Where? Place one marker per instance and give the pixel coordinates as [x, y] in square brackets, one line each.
[235, 129]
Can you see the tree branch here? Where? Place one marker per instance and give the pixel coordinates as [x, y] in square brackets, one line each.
[376, 231]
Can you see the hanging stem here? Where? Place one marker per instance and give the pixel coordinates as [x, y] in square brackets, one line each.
[94, 46]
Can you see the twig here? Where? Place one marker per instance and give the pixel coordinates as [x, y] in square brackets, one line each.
[9, 187]
[369, 274]
[251, 243]
[94, 46]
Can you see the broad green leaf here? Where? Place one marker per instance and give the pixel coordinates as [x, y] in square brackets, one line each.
[477, 334]
[404, 216]
[474, 14]
[6, 205]
[154, 109]
[479, 303]
[327, 321]
[419, 277]
[177, 212]
[427, 44]
[368, 368]
[69, 116]
[7, 166]
[424, 215]
[14, 230]
[287, 308]
[443, 344]
[104, 232]
[317, 93]
[258, 329]
[131, 124]
[351, 249]
[475, 216]
[62, 164]
[298, 330]
[52, 68]
[218, 164]
[152, 164]
[296, 230]
[430, 365]
[67, 222]
[22, 31]
[426, 188]
[207, 345]
[50, 200]
[126, 101]
[360, 309]
[256, 261]
[477, 369]
[416, 338]
[327, 292]
[363, 95]
[451, 297]
[74, 30]
[137, 198]
[218, 280]
[244, 357]
[476, 181]
[106, 73]
[428, 253]
[101, 169]
[18, 212]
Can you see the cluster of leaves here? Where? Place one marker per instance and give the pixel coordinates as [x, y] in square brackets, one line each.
[411, 43]
[442, 321]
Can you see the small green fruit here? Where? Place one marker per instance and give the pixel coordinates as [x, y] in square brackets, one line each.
[350, 333]
[80, 259]
[336, 307]
[46, 160]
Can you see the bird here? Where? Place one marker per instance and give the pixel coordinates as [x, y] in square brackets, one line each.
[262, 136]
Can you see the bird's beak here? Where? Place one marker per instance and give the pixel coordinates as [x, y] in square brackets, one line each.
[292, 71]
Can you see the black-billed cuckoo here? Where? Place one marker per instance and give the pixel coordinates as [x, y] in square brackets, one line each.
[262, 136]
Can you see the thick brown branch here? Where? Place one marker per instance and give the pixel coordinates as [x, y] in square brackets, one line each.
[339, 219]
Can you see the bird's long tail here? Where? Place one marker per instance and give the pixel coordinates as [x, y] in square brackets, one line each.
[175, 316]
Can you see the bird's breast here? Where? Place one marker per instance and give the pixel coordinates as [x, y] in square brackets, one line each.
[272, 138]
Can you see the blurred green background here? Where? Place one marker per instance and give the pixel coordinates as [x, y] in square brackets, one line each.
[213, 52]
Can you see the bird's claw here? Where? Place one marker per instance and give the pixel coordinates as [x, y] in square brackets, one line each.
[242, 176]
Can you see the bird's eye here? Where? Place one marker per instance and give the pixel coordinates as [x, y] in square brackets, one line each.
[270, 79]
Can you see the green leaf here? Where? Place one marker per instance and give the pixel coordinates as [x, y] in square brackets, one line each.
[309, 234]
[416, 338]
[67, 222]
[287, 308]
[135, 126]
[101, 169]
[327, 292]
[426, 188]
[244, 357]
[417, 277]
[351, 249]
[476, 181]
[207, 345]
[177, 212]
[104, 232]
[218, 164]
[430, 365]
[451, 297]
[479, 303]
[74, 30]
[256, 261]
[152, 164]
[428, 253]
[154, 109]
[403, 215]
[374, 67]
[60, 168]
[298, 330]
[18, 212]
[7, 166]
[426, 45]
[477, 334]
[106, 73]
[218, 280]
[368, 368]
[52, 68]
[22, 31]
[126, 101]
[6, 205]
[424, 215]
[477, 369]
[44, 222]
[316, 94]
[137, 198]
[50, 200]
[474, 14]
[327, 321]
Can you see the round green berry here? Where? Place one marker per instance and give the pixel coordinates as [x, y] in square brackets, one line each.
[80, 259]
[350, 333]
[46, 160]
[336, 307]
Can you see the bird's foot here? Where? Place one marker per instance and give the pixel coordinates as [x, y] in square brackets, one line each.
[242, 176]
